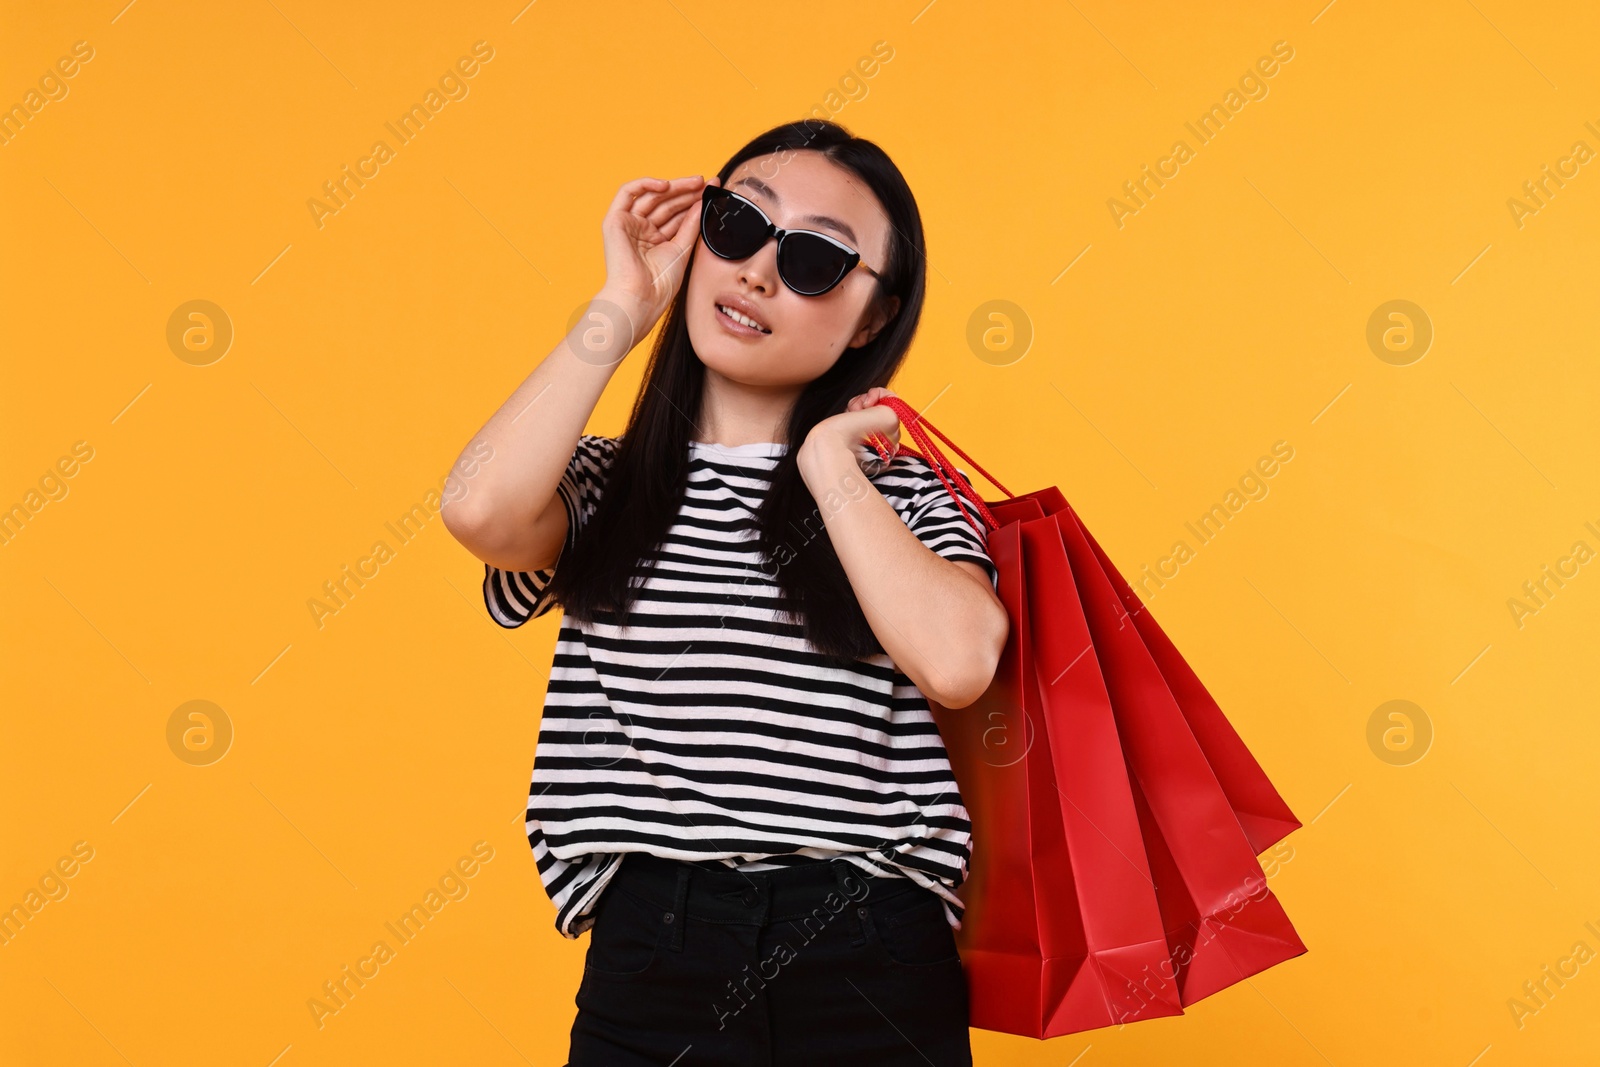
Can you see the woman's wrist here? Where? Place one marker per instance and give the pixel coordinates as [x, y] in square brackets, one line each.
[614, 322]
[638, 309]
[824, 458]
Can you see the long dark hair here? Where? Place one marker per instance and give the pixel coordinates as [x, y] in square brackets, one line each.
[645, 485]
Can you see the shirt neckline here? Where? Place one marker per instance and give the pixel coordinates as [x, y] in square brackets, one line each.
[754, 448]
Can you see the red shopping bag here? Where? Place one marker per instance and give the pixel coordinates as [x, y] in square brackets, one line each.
[1116, 814]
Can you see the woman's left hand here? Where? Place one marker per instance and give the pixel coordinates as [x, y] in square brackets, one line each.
[862, 420]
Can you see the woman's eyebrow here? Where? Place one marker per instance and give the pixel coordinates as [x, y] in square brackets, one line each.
[821, 220]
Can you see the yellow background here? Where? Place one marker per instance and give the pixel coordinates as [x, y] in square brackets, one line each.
[1229, 313]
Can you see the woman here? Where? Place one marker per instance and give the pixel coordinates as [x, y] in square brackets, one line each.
[739, 789]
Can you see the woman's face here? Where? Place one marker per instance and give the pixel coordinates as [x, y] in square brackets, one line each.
[805, 334]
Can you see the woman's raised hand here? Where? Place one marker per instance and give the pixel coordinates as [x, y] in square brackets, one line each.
[650, 231]
[863, 422]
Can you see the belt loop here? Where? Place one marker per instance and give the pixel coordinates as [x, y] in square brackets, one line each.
[680, 902]
[855, 899]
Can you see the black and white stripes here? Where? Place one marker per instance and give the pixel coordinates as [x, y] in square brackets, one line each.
[710, 731]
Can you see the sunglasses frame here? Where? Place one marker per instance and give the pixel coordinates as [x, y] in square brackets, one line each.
[852, 257]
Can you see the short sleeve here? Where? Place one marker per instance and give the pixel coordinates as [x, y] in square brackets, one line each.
[514, 597]
[939, 524]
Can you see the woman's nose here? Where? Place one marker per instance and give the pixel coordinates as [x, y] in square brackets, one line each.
[760, 270]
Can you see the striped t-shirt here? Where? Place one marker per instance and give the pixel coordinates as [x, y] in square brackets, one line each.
[711, 731]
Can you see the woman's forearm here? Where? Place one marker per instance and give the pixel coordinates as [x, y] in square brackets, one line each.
[941, 626]
[500, 495]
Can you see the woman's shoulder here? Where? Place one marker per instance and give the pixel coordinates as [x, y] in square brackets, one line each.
[599, 444]
[594, 453]
[906, 480]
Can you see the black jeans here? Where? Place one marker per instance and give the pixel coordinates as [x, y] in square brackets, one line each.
[813, 964]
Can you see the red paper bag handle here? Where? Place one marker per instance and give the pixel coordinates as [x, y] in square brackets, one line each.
[935, 458]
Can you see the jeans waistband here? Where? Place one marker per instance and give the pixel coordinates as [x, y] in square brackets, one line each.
[755, 897]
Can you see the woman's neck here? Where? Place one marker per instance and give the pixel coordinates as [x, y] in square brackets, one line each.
[736, 413]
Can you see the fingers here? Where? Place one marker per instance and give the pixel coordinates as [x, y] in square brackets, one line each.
[670, 212]
[652, 199]
[630, 190]
[669, 206]
[662, 208]
[649, 233]
[685, 229]
[868, 398]
[890, 439]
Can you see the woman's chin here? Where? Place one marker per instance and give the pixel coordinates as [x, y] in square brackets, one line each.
[740, 367]
[758, 371]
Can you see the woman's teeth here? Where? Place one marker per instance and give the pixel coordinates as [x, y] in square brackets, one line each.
[743, 320]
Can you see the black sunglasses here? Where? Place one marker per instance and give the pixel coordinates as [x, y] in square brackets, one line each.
[809, 262]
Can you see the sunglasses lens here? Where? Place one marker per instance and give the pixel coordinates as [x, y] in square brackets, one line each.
[732, 228]
[809, 265]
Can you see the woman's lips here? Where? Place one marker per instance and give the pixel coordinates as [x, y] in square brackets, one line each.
[736, 327]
